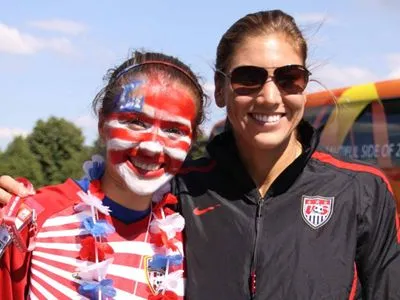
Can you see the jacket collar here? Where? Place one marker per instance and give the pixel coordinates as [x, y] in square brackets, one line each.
[224, 151]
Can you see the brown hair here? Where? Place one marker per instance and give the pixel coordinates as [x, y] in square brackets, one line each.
[148, 62]
[255, 24]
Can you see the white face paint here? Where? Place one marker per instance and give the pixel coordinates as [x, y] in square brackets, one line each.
[147, 147]
[139, 185]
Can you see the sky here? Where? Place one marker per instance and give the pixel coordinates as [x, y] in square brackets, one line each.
[54, 54]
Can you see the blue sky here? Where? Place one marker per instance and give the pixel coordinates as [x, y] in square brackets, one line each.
[53, 54]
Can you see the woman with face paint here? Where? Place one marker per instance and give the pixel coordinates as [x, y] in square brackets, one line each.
[270, 214]
[111, 235]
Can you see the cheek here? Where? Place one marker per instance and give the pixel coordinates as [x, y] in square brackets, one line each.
[295, 104]
[239, 105]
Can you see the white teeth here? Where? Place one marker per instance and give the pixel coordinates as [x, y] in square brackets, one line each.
[147, 167]
[267, 118]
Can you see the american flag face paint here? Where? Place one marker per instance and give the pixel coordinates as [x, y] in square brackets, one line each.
[148, 139]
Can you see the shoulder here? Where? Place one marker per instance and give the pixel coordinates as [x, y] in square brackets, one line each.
[194, 175]
[200, 165]
[352, 170]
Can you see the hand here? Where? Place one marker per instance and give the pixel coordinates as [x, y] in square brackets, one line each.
[10, 187]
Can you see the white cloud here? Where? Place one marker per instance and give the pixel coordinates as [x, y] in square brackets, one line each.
[63, 26]
[87, 121]
[209, 89]
[394, 65]
[15, 42]
[213, 112]
[314, 18]
[8, 133]
[88, 124]
[335, 76]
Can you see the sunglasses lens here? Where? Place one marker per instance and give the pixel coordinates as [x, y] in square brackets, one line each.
[246, 80]
[291, 79]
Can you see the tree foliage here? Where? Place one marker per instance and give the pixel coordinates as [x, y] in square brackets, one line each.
[19, 161]
[199, 146]
[58, 146]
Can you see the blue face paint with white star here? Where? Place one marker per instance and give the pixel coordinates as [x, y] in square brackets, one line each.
[127, 102]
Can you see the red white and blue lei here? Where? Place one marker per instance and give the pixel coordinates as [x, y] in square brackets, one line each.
[164, 225]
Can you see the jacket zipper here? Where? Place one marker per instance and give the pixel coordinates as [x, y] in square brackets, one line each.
[253, 275]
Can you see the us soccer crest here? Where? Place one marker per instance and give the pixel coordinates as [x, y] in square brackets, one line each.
[316, 210]
[154, 276]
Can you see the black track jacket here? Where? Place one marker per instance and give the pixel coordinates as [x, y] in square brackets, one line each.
[325, 223]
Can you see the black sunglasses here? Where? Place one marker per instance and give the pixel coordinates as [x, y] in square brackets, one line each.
[290, 79]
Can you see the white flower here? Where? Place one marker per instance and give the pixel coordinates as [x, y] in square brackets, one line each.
[93, 271]
[170, 225]
[90, 200]
[172, 281]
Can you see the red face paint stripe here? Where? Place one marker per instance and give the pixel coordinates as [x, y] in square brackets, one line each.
[324, 157]
[173, 99]
[164, 124]
[202, 169]
[127, 135]
[120, 156]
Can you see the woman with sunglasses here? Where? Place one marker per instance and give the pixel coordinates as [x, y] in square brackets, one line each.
[269, 214]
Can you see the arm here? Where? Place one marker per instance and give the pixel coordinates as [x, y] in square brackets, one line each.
[10, 186]
[378, 244]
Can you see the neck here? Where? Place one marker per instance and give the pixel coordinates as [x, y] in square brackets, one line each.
[116, 190]
[264, 166]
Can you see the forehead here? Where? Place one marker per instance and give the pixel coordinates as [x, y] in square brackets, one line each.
[164, 97]
[271, 50]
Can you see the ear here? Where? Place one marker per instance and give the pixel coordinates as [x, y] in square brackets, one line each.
[219, 90]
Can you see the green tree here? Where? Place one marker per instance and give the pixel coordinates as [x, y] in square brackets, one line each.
[58, 146]
[98, 147]
[199, 146]
[19, 161]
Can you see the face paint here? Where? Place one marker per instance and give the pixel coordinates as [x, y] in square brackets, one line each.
[127, 102]
[148, 147]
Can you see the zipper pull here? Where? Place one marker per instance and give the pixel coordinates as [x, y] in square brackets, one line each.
[253, 283]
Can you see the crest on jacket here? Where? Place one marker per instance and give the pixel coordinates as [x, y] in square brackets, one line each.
[316, 210]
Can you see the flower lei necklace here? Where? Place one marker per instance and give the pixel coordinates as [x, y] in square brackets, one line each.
[162, 227]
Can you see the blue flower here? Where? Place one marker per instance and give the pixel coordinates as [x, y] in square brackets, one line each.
[159, 261]
[91, 289]
[100, 228]
[94, 169]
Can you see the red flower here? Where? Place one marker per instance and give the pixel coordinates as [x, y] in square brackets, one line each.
[169, 199]
[168, 295]
[87, 251]
[95, 189]
[161, 239]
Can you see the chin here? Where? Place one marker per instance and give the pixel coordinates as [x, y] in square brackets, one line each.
[265, 140]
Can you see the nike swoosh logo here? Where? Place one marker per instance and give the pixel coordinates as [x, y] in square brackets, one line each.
[198, 212]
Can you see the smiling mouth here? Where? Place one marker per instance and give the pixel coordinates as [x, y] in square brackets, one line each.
[266, 119]
[146, 169]
[145, 166]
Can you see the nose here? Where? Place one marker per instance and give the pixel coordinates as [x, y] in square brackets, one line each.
[270, 92]
[150, 148]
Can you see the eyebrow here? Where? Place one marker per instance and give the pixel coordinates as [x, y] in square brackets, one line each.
[151, 111]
